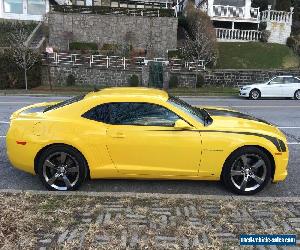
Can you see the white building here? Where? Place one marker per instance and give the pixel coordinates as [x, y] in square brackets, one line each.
[23, 9]
[237, 20]
[33, 10]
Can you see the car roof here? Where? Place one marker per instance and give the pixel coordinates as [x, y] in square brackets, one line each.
[130, 92]
[285, 76]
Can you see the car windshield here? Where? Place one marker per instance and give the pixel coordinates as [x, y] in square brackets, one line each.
[65, 103]
[198, 114]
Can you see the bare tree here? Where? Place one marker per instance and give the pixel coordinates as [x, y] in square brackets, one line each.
[22, 54]
[200, 42]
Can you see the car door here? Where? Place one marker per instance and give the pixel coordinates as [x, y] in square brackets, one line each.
[292, 85]
[142, 140]
[275, 88]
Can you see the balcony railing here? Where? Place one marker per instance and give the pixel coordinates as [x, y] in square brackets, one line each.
[277, 16]
[255, 13]
[237, 35]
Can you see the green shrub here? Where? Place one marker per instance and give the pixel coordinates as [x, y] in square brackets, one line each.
[200, 81]
[12, 77]
[182, 22]
[265, 35]
[262, 4]
[70, 81]
[83, 46]
[7, 28]
[283, 5]
[133, 81]
[109, 49]
[262, 26]
[173, 82]
[175, 54]
[292, 42]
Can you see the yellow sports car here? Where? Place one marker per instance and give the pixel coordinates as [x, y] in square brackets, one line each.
[144, 133]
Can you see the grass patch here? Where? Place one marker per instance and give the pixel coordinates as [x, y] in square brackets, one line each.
[205, 91]
[31, 221]
[255, 55]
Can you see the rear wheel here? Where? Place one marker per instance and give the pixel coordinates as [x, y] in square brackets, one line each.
[62, 168]
[247, 171]
[254, 94]
[297, 95]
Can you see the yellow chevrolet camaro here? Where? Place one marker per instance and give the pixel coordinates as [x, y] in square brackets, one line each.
[144, 133]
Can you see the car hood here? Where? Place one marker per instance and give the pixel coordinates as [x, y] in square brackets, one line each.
[227, 120]
[256, 85]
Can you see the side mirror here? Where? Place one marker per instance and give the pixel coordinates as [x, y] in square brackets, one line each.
[181, 124]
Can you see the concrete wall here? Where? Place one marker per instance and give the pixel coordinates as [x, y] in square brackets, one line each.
[156, 33]
[280, 32]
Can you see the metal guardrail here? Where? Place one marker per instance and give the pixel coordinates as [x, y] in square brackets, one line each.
[117, 62]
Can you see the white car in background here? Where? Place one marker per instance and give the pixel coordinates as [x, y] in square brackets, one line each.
[279, 86]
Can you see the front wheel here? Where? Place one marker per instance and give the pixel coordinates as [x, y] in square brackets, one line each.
[247, 171]
[62, 168]
[254, 94]
[297, 95]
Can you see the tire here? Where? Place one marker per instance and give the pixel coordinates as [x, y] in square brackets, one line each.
[62, 168]
[254, 94]
[247, 171]
[297, 95]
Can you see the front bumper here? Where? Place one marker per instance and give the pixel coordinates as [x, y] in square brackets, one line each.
[281, 165]
[244, 93]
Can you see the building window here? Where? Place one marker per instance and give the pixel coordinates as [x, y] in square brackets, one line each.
[36, 7]
[13, 6]
[237, 3]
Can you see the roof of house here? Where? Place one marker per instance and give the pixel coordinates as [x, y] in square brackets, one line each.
[238, 3]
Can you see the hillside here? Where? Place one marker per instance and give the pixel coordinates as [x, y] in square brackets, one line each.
[255, 55]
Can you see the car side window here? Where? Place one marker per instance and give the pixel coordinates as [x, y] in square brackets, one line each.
[295, 80]
[133, 113]
[99, 113]
[278, 80]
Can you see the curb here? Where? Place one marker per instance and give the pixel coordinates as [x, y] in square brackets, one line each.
[73, 94]
[152, 195]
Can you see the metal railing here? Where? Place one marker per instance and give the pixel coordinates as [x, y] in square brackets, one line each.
[107, 10]
[117, 62]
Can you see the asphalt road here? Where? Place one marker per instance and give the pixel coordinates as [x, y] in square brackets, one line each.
[283, 113]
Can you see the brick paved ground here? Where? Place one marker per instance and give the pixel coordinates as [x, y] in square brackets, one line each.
[47, 221]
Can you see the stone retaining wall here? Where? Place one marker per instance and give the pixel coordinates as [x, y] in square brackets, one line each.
[231, 77]
[156, 34]
[89, 76]
[110, 77]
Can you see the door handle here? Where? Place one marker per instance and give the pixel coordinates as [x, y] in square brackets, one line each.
[118, 135]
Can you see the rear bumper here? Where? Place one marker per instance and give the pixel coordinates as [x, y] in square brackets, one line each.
[21, 156]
